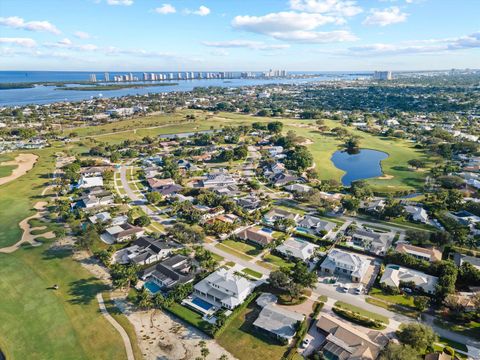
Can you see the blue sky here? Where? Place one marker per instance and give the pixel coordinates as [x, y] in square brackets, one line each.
[181, 35]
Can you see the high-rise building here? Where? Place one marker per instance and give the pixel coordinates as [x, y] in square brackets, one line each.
[93, 78]
[106, 77]
[382, 75]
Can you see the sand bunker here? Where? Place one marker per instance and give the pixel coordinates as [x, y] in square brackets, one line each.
[385, 177]
[24, 163]
[28, 237]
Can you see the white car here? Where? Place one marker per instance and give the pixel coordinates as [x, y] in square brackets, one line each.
[305, 343]
[359, 290]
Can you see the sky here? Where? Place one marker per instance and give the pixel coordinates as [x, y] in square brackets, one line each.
[239, 35]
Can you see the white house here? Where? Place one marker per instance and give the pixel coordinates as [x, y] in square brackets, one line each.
[298, 188]
[345, 263]
[90, 182]
[297, 248]
[417, 213]
[224, 289]
[394, 274]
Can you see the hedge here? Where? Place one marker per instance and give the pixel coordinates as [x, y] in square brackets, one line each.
[358, 319]
[235, 313]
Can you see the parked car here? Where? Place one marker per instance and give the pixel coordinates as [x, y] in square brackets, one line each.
[359, 290]
[305, 343]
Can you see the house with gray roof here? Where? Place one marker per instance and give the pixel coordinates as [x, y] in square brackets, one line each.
[395, 275]
[374, 242]
[278, 322]
[345, 263]
[316, 225]
[296, 248]
[146, 250]
[175, 270]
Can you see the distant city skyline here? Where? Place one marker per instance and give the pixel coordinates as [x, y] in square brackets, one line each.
[239, 35]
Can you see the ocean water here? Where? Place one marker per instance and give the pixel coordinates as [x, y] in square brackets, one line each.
[50, 94]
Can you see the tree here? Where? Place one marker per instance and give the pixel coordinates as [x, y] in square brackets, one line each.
[153, 197]
[450, 181]
[275, 127]
[298, 159]
[416, 163]
[301, 275]
[418, 336]
[143, 299]
[421, 302]
[279, 279]
[142, 221]
[399, 352]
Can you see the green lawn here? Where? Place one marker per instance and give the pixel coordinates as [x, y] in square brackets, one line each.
[392, 307]
[277, 261]
[246, 248]
[404, 300]
[252, 273]
[39, 323]
[241, 340]
[346, 306]
[6, 170]
[229, 250]
[189, 316]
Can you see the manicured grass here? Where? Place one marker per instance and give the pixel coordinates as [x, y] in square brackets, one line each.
[404, 300]
[6, 170]
[248, 249]
[472, 329]
[117, 314]
[244, 343]
[39, 323]
[392, 307]
[453, 344]
[277, 261]
[18, 197]
[217, 257]
[238, 254]
[252, 273]
[350, 307]
[189, 316]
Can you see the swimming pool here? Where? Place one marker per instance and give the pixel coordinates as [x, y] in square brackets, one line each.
[267, 230]
[202, 303]
[152, 287]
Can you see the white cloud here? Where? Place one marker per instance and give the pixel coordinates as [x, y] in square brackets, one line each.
[345, 8]
[255, 45]
[165, 9]
[82, 35]
[120, 2]
[294, 26]
[385, 17]
[201, 11]
[69, 45]
[19, 23]
[430, 46]
[24, 42]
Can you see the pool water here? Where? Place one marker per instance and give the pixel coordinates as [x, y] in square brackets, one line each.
[201, 303]
[267, 230]
[152, 287]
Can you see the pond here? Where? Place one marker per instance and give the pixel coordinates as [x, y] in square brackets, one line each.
[364, 164]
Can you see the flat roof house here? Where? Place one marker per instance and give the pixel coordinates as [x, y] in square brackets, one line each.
[343, 341]
[224, 289]
[90, 182]
[256, 235]
[345, 263]
[395, 274]
[431, 254]
[173, 271]
[296, 248]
